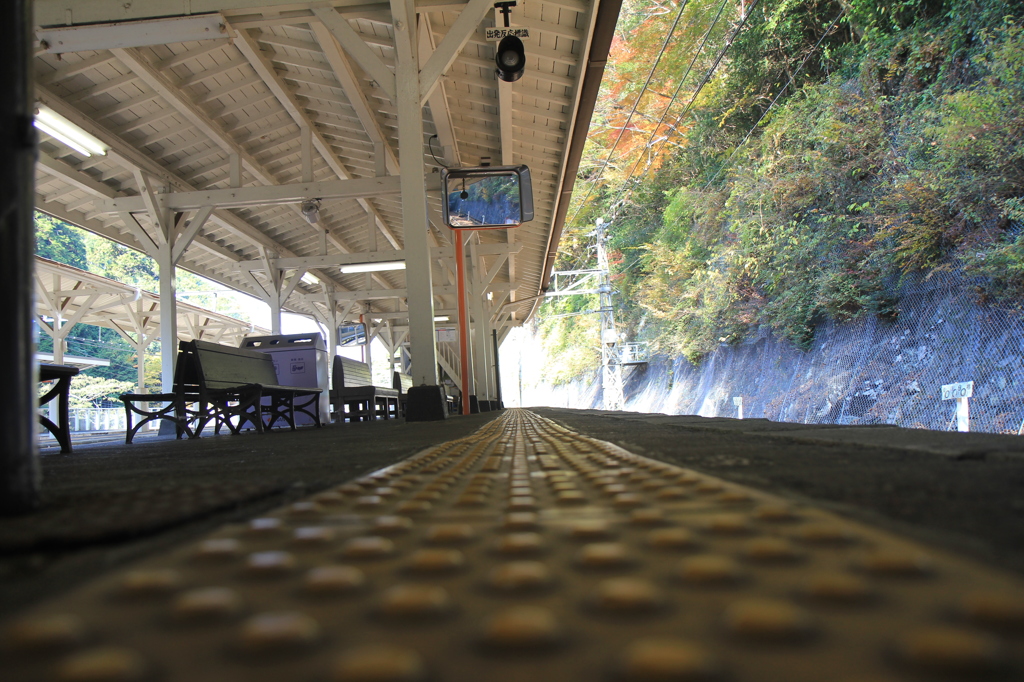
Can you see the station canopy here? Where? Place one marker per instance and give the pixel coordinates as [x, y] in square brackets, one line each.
[268, 131]
[66, 296]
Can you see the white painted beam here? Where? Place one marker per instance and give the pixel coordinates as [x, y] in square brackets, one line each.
[378, 294]
[250, 49]
[267, 195]
[450, 48]
[337, 260]
[437, 100]
[366, 58]
[349, 82]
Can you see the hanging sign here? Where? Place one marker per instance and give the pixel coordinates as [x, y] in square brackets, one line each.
[496, 34]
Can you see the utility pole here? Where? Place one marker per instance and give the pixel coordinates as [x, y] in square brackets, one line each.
[610, 360]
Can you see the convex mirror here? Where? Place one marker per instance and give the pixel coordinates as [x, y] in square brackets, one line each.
[352, 334]
[487, 197]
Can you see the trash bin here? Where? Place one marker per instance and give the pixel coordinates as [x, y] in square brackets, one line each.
[300, 360]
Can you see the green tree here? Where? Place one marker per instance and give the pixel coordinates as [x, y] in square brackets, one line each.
[58, 241]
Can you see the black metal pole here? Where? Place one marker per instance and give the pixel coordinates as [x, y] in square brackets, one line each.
[497, 370]
[19, 466]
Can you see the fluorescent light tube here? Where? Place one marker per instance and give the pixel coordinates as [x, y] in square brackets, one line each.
[55, 125]
[441, 318]
[381, 266]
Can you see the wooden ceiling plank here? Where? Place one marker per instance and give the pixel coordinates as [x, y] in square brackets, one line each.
[250, 49]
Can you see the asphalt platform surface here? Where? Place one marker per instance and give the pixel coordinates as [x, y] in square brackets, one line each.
[172, 488]
[108, 504]
[960, 491]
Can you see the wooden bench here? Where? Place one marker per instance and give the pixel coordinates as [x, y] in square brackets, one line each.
[354, 396]
[226, 386]
[401, 383]
[61, 390]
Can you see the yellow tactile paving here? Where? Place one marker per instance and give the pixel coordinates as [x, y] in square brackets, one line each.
[527, 552]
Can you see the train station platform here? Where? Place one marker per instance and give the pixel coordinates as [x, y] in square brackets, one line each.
[543, 544]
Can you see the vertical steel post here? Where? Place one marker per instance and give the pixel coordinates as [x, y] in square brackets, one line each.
[611, 360]
[481, 375]
[19, 466]
[460, 278]
[497, 369]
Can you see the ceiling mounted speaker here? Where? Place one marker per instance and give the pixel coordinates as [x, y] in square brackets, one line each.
[511, 59]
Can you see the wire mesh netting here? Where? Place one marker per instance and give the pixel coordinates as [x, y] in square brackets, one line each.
[866, 371]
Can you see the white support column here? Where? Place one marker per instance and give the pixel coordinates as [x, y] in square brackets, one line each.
[332, 323]
[414, 196]
[164, 257]
[273, 298]
[168, 319]
[368, 348]
[140, 363]
[172, 236]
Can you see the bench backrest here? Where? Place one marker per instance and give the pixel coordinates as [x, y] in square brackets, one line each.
[349, 373]
[401, 382]
[226, 367]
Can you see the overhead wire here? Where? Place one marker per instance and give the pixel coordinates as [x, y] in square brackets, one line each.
[675, 95]
[682, 81]
[706, 79]
[777, 96]
[700, 87]
[632, 112]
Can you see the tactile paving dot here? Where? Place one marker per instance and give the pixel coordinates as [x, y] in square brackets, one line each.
[994, 609]
[207, 604]
[106, 664]
[520, 543]
[218, 549]
[368, 547]
[768, 620]
[529, 552]
[604, 555]
[521, 628]
[665, 659]
[312, 536]
[771, 550]
[379, 663]
[627, 595]
[265, 526]
[328, 580]
[899, 563]
[391, 525]
[151, 583]
[450, 534]
[671, 538]
[837, 588]
[270, 633]
[45, 633]
[520, 576]
[415, 601]
[269, 564]
[435, 560]
[950, 651]
[710, 570]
